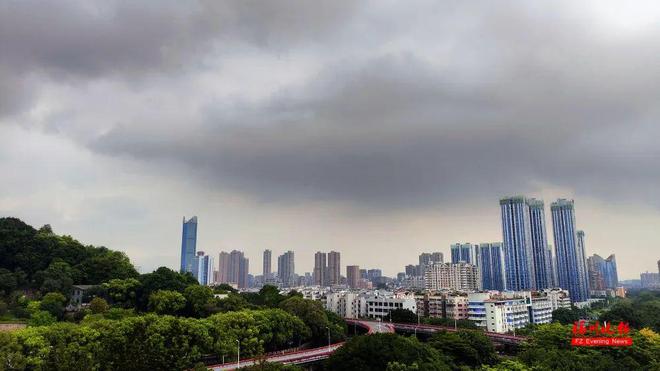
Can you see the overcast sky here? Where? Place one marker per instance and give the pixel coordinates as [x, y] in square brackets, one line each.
[379, 129]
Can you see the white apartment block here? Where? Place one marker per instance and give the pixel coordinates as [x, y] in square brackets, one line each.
[346, 304]
[499, 312]
[379, 306]
[541, 309]
[459, 276]
[559, 298]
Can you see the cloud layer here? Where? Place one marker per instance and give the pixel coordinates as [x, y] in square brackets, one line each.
[378, 107]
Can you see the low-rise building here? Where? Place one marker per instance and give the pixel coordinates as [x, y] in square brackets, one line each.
[379, 305]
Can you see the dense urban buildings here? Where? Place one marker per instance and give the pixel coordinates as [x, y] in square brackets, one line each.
[491, 266]
[188, 244]
[517, 240]
[286, 269]
[523, 262]
[569, 244]
[233, 269]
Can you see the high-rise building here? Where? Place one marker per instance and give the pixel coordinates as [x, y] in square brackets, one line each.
[411, 271]
[552, 260]
[374, 274]
[334, 268]
[491, 266]
[243, 272]
[320, 269]
[463, 252]
[364, 274]
[460, 276]
[267, 264]
[517, 242]
[238, 268]
[569, 246]
[352, 276]
[223, 268]
[649, 279]
[595, 268]
[425, 258]
[203, 268]
[602, 273]
[539, 239]
[286, 269]
[437, 257]
[189, 245]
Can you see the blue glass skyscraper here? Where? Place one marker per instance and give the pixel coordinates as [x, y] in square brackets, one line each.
[517, 240]
[610, 275]
[542, 264]
[491, 266]
[569, 246]
[463, 252]
[189, 245]
[203, 270]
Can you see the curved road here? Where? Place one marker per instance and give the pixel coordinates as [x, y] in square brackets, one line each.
[373, 327]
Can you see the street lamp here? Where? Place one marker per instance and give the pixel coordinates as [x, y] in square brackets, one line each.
[379, 324]
[328, 328]
[238, 360]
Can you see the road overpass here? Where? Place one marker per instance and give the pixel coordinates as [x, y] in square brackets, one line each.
[372, 327]
[308, 355]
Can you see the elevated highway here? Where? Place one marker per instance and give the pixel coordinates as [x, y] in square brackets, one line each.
[372, 327]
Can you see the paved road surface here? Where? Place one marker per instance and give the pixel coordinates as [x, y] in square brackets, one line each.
[310, 355]
[373, 327]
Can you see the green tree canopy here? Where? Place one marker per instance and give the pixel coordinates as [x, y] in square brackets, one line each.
[375, 352]
[166, 302]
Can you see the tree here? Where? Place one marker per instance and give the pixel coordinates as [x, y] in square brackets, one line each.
[268, 366]
[567, 316]
[53, 303]
[166, 302]
[375, 352]
[98, 305]
[43, 260]
[233, 302]
[468, 348]
[8, 282]
[122, 292]
[403, 316]
[42, 318]
[162, 278]
[58, 277]
[316, 318]
[197, 297]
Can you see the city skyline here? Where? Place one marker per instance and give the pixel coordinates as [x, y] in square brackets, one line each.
[498, 265]
[336, 126]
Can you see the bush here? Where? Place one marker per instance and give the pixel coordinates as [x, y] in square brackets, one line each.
[98, 305]
[53, 302]
[42, 318]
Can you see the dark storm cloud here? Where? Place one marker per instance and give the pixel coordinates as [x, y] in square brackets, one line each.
[399, 133]
[78, 41]
[411, 106]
